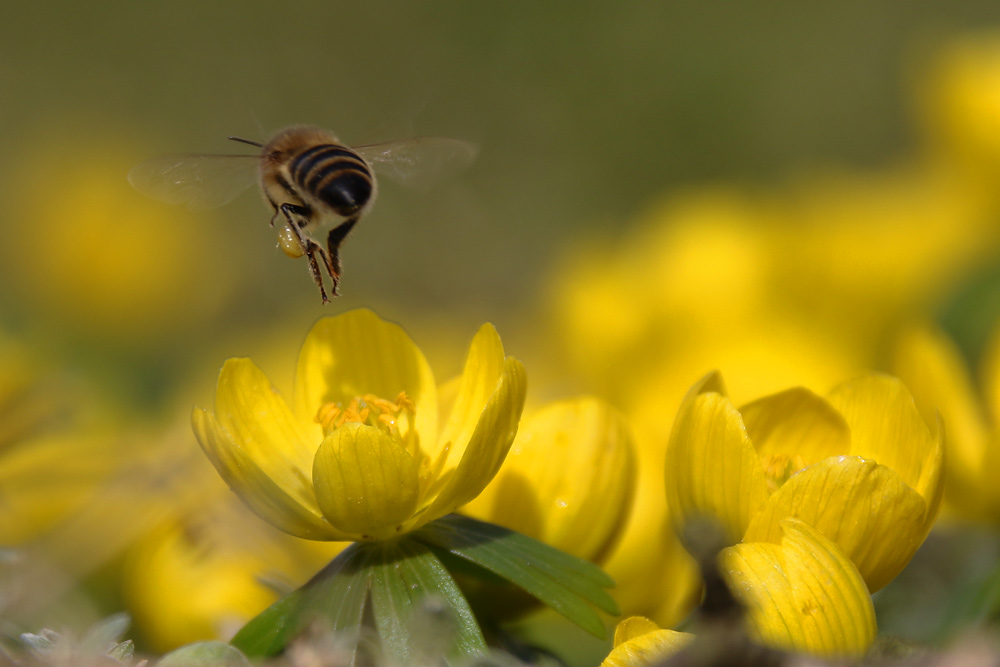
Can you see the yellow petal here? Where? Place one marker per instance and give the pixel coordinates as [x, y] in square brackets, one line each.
[639, 642]
[804, 595]
[887, 427]
[366, 482]
[633, 627]
[568, 479]
[358, 353]
[862, 506]
[483, 367]
[796, 425]
[712, 468]
[288, 506]
[255, 415]
[487, 447]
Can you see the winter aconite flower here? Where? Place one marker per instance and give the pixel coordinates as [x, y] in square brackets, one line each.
[861, 467]
[802, 595]
[359, 454]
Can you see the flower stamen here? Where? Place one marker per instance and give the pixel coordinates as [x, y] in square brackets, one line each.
[779, 466]
[374, 411]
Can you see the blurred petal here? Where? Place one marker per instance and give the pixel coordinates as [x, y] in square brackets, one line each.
[654, 574]
[289, 505]
[483, 367]
[366, 482]
[887, 427]
[568, 479]
[856, 503]
[487, 446]
[712, 467]
[640, 642]
[804, 595]
[358, 353]
[932, 367]
[796, 425]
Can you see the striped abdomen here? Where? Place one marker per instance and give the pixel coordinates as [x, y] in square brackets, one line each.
[335, 175]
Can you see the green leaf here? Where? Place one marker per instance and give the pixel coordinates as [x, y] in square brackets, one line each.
[267, 632]
[209, 654]
[401, 576]
[336, 596]
[563, 582]
[123, 651]
[407, 582]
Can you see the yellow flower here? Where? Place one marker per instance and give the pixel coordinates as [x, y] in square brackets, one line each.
[932, 366]
[360, 455]
[639, 642]
[861, 467]
[803, 594]
[568, 480]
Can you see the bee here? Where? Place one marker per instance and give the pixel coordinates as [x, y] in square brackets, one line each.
[317, 187]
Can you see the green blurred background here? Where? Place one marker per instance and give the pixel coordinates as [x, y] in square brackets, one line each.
[584, 113]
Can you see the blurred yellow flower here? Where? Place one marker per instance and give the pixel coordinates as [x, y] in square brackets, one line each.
[361, 457]
[640, 642]
[204, 575]
[932, 366]
[802, 594]
[101, 260]
[861, 467]
[568, 480]
[860, 251]
[959, 98]
[57, 445]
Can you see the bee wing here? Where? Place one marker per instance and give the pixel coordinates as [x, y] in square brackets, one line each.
[419, 163]
[200, 181]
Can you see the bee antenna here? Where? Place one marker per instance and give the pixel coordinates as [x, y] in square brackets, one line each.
[246, 141]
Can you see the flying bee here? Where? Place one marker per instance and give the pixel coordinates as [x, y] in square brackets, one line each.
[317, 187]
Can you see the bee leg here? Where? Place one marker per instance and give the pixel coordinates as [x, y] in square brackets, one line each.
[297, 216]
[311, 250]
[332, 256]
[275, 206]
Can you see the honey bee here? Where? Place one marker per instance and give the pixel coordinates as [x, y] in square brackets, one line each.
[319, 187]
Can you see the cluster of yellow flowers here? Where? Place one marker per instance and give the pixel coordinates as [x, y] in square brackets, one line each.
[822, 500]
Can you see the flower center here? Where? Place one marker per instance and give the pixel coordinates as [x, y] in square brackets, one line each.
[394, 417]
[779, 466]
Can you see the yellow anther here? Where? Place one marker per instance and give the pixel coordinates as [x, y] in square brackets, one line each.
[327, 415]
[367, 409]
[403, 402]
